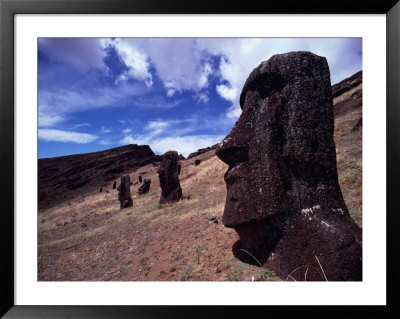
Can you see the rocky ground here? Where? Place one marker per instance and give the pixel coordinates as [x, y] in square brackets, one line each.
[87, 237]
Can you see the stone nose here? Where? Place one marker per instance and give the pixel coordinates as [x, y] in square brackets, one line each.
[232, 151]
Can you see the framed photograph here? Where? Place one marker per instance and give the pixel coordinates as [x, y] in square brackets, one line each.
[106, 221]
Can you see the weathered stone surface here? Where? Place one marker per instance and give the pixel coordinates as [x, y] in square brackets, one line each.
[168, 174]
[197, 162]
[145, 187]
[283, 195]
[114, 185]
[124, 192]
[140, 179]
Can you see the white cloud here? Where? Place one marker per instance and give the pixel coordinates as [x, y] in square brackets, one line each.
[80, 125]
[155, 101]
[56, 105]
[135, 59]
[126, 131]
[46, 120]
[178, 62]
[157, 125]
[203, 80]
[128, 139]
[233, 112]
[202, 98]
[230, 94]
[51, 135]
[182, 144]
[104, 130]
[105, 142]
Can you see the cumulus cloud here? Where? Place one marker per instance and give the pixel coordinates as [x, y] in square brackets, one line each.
[135, 59]
[179, 63]
[51, 135]
[230, 94]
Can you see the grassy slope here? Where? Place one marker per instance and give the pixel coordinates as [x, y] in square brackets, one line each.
[90, 238]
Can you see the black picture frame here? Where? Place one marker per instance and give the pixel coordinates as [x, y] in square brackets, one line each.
[8, 8]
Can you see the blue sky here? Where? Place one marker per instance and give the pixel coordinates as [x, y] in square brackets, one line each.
[170, 93]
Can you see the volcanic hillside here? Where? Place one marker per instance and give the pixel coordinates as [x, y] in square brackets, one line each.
[83, 235]
[66, 177]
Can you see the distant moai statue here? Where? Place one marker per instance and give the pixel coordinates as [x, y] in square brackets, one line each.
[101, 189]
[124, 192]
[168, 174]
[140, 179]
[145, 187]
[115, 185]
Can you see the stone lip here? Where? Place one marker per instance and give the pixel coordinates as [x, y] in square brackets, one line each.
[168, 175]
[63, 178]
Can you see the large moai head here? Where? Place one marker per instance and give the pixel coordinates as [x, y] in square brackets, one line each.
[168, 174]
[281, 153]
[124, 193]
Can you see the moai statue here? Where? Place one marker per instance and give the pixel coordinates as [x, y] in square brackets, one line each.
[145, 187]
[283, 196]
[168, 174]
[124, 192]
[140, 179]
[114, 185]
